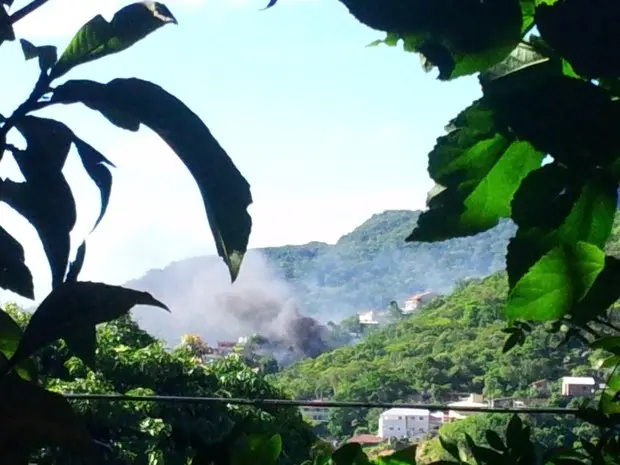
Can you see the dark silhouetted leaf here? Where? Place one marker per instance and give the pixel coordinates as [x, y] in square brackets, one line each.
[33, 417]
[76, 266]
[349, 454]
[261, 449]
[95, 165]
[602, 295]
[50, 208]
[450, 447]
[75, 306]
[511, 342]
[46, 54]
[225, 193]
[592, 416]
[494, 440]
[480, 169]
[438, 30]
[607, 343]
[83, 344]
[6, 28]
[513, 432]
[10, 335]
[98, 38]
[593, 52]
[14, 274]
[45, 199]
[555, 283]
[404, 456]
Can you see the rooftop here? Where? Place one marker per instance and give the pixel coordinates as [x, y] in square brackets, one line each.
[406, 412]
[365, 439]
[583, 380]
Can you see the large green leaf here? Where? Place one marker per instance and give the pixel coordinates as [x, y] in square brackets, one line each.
[602, 295]
[554, 207]
[404, 456]
[14, 274]
[45, 199]
[458, 37]
[32, 417]
[74, 307]
[98, 38]
[585, 32]
[225, 193]
[480, 170]
[555, 283]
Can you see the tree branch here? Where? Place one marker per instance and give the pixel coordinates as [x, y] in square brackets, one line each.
[25, 11]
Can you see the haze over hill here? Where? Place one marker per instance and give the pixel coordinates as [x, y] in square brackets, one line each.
[365, 269]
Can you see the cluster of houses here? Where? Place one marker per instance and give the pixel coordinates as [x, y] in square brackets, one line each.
[411, 305]
[415, 424]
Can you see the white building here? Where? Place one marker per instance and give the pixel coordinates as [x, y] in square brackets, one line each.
[371, 317]
[413, 302]
[578, 386]
[408, 423]
[318, 413]
[474, 400]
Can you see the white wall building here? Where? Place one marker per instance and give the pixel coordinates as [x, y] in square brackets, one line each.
[318, 413]
[372, 317]
[413, 302]
[578, 386]
[403, 423]
[474, 400]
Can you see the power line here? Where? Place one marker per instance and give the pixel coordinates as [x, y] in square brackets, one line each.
[311, 403]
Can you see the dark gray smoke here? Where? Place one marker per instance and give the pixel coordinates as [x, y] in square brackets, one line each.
[205, 303]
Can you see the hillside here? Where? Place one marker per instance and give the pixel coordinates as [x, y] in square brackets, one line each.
[452, 346]
[365, 269]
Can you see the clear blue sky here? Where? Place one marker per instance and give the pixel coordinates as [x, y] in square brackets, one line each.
[326, 131]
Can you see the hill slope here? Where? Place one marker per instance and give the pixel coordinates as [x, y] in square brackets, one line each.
[363, 270]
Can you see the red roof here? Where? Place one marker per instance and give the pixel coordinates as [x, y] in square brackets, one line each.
[365, 439]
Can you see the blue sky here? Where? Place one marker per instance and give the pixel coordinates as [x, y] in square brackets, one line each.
[326, 130]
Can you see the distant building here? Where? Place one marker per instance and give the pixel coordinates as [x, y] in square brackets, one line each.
[315, 413]
[578, 386]
[413, 302]
[372, 317]
[410, 423]
[474, 400]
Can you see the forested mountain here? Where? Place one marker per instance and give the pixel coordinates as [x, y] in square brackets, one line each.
[452, 346]
[365, 269]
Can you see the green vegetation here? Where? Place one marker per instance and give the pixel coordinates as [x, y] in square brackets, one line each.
[131, 362]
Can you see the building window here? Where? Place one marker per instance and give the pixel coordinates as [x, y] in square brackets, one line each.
[391, 428]
[400, 418]
[421, 418]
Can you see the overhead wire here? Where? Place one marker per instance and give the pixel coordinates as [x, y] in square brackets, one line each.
[313, 403]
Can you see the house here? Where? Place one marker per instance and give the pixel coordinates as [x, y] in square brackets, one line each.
[474, 400]
[372, 317]
[315, 413]
[578, 386]
[410, 423]
[413, 302]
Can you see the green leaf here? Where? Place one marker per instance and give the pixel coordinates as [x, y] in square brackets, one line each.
[225, 193]
[607, 343]
[602, 295]
[74, 307]
[512, 341]
[14, 274]
[46, 54]
[555, 283]
[10, 335]
[98, 38]
[554, 207]
[480, 169]
[609, 362]
[439, 31]
[95, 165]
[513, 432]
[261, 449]
[593, 52]
[34, 418]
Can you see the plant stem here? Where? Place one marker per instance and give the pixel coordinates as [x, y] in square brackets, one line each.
[25, 11]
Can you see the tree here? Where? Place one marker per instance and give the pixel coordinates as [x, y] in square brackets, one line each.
[31, 416]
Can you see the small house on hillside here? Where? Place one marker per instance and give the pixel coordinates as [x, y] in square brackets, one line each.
[578, 385]
[372, 317]
[474, 400]
[408, 423]
[316, 413]
[413, 302]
